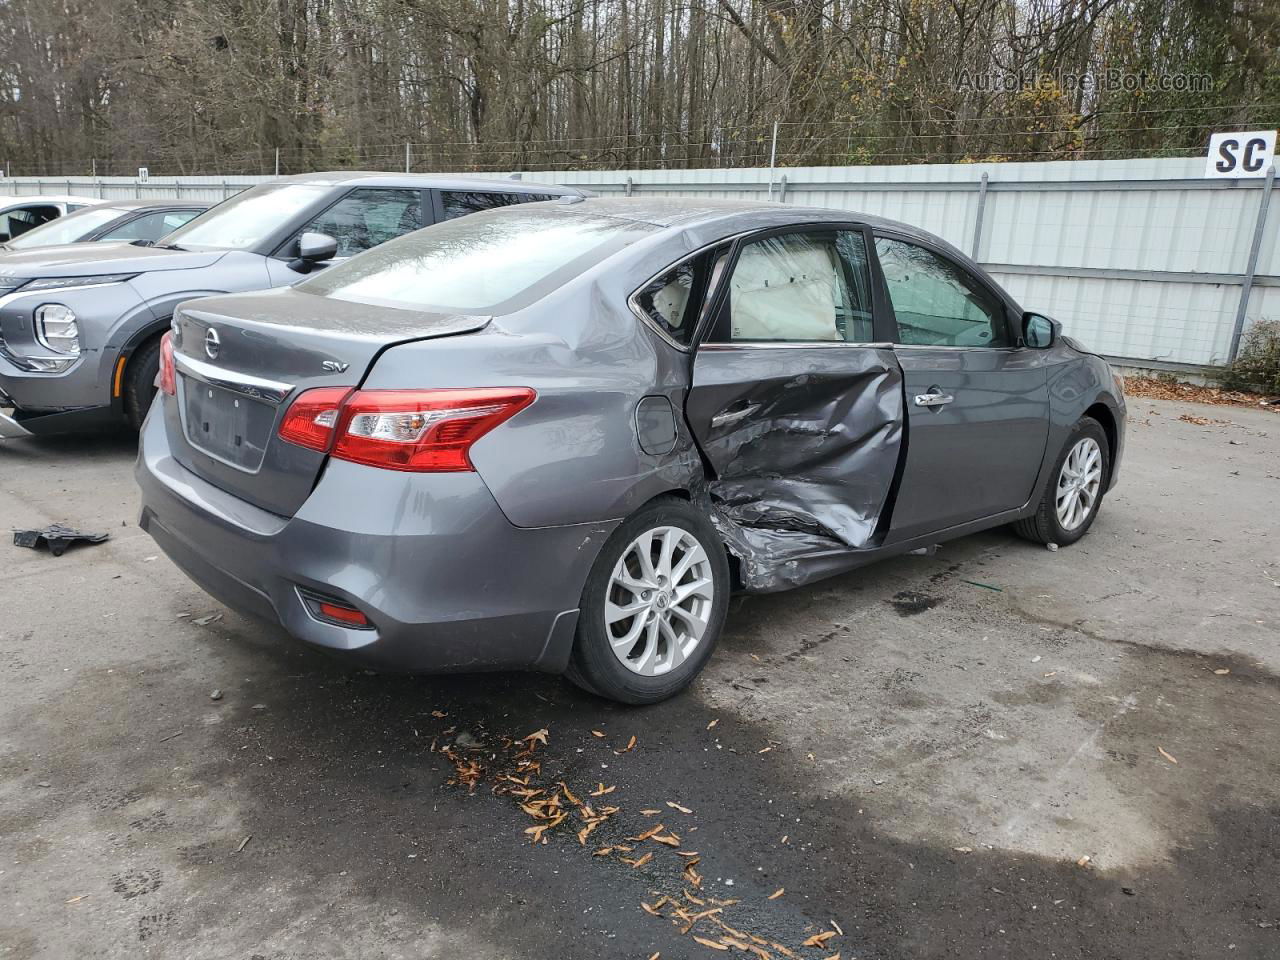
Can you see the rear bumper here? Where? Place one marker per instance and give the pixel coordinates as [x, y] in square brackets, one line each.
[447, 582]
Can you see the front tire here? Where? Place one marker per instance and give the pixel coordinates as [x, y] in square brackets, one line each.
[140, 373]
[1074, 493]
[653, 606]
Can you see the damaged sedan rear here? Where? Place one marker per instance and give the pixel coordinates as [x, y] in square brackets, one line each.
[558, 436]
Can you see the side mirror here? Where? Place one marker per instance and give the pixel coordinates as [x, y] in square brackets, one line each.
[1039, 332]
[314, 248]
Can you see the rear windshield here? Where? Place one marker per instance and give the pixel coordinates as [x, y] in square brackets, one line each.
[68, 229]
[491, 262]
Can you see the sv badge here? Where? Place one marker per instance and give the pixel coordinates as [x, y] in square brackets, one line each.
[334, 366]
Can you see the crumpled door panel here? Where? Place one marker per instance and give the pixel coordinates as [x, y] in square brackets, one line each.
[803, 446]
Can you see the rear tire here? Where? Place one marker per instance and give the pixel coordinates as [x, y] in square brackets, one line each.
[1073, 495]
[140, 372]
[667, 612]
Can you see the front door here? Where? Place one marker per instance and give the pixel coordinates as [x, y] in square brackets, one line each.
[977, 402]
[794, 404]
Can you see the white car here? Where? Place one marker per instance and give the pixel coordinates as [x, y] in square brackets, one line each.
[20, 214]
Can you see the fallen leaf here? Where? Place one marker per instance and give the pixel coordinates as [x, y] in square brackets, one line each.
[667, 839]
[598, 733]
[1084, 861]
[538, 736]
[675, 806]
[603, 852]
[713, 723]
[631, 745]
[439, 714]
[655, 956]
[777, 893]
[648, 833]
[686, 853]
[834, 956]
[1168, 756]
[244, 843]
[963, 849]
[837, 927]
[1221, 673]
[83, 896]
[649, 813]
[601, 790]
[765, 750]
[820, 939]
[651, 910]
[711, 943]
[781, 949]
[568, 794]
[643, 860]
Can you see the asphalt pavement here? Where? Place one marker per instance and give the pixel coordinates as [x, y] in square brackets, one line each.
[995, 751]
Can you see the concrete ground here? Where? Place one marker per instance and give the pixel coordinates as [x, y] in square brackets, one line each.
[997, 751]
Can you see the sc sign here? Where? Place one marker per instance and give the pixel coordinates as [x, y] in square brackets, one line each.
[1238, 155]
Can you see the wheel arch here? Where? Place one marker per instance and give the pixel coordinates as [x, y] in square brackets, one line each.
[138, 339]
[1107, 420]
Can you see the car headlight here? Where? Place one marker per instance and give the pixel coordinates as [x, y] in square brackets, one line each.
[61, 283]
[57, 330]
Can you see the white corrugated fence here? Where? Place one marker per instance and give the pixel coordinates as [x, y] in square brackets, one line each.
[1140, 259]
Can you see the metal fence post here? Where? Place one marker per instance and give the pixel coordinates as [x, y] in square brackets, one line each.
[1251, 268]
[406, 158]
[225, 190]
[773, 156]
[782, 189]
[977, 223]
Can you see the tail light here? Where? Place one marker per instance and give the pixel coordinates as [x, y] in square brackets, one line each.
[416, 430]
[168, 380]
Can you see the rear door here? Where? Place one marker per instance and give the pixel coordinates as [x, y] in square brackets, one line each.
[977, 402]
[793, 401]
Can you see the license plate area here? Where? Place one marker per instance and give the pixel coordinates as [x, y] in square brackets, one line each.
[226, 425]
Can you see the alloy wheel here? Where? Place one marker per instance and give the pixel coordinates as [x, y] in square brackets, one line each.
[659, 601]
[1079, 483]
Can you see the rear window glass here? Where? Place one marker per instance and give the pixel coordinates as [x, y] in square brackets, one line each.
[488, 262]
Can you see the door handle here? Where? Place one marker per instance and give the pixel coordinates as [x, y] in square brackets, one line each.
[733, 416]
[933, 399]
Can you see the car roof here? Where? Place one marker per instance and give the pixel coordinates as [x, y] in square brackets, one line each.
[419, 181]
[6, 202]
[159, 204]
[729, 217]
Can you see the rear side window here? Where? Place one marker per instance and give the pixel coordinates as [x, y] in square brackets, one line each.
[459, 203]
[936, 303]
[668, 302]
[798, 288]
[482, 264]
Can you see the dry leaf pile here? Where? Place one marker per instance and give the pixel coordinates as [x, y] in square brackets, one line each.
[1191, 393]
[515, 771]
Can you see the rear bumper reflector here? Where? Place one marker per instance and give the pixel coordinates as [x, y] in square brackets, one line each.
[328, 609]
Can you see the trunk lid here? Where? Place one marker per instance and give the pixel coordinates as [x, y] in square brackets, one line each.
[242, 359]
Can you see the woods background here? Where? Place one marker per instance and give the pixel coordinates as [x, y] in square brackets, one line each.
[219, 86]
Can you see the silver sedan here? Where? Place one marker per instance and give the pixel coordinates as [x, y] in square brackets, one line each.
[558, 436]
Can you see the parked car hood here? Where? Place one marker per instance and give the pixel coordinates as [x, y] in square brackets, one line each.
[95, 259]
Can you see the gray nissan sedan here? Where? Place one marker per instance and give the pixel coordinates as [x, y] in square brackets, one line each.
[557, 436]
